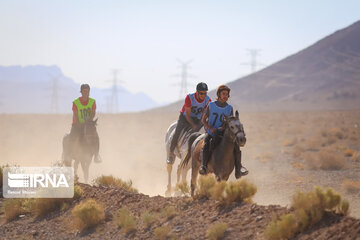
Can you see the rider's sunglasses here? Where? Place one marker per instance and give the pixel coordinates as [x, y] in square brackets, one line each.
[202, 93]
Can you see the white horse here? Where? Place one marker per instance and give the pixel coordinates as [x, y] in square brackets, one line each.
[181, 151]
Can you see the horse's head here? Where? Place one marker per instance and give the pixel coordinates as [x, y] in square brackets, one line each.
[235, 129]
[90, 130]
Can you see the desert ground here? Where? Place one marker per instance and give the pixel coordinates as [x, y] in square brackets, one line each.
[285, 151]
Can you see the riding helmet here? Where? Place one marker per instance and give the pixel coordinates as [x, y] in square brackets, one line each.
[201, 87]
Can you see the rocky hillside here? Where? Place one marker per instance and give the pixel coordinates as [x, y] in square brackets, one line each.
[190, 220]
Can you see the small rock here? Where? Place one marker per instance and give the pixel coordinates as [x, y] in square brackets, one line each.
[258, 218]
[34, 232]
[21, 216]
[178, 229]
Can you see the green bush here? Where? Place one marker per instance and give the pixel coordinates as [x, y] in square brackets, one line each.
[88, 214]
[125, 220]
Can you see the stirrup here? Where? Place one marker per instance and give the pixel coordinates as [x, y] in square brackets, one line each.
[243, 171]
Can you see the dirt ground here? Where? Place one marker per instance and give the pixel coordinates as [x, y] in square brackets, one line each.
[279, 154]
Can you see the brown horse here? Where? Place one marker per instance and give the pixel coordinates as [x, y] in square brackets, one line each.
[82, 150]
[222, 160]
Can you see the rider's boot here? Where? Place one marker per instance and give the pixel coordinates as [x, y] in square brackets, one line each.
[239, 169]
[204, 162]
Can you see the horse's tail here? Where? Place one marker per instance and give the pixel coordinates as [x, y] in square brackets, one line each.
[192, 138]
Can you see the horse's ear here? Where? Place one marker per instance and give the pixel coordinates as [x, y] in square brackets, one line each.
[237, 114]
[95, 121]
[225, 118]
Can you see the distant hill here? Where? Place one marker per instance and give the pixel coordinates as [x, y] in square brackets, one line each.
[324, 76]
[30, 89]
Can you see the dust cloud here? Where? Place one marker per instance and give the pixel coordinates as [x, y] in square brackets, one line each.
[132, 146]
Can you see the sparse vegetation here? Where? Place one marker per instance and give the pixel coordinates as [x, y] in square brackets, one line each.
[309, 209]
[325, 160]
[351, 186]
[148, 218]
[183, 187]
[13, 208]
[217, 231]
[43, 206]
[162, 233]
[125, 220]
[168, 212]
[88, 214]
[225, 193]
[78, 192]
[111, 181]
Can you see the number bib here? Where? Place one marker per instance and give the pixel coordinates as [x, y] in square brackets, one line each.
[196, 107]
[84, 112]
[216, 115]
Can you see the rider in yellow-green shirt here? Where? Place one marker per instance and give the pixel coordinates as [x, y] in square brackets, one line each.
[84, 108]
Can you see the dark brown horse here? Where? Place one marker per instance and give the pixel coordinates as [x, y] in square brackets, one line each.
[82, 149]
[222, 160]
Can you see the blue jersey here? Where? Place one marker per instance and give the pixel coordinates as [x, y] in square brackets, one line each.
[216, 115]
[197, 107]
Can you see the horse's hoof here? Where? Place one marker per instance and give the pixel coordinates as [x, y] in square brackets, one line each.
[168, 193]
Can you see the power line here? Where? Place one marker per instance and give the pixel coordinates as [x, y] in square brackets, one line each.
[113, 103]
[254, 53]
[184, 77]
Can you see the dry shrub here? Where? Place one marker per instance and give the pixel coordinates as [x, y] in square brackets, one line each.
[351, 186]
[88, 214]
[309, 209]
[125, 220]
[168, 212]
[148, 218]
[313, 144]
[13, 208]
[217, 231]
[349, 152]
[205, 184]
[162, 233]
[183, 187]
[226, 193]
[43, 206]
[356, 157]
[217, 191]
[111, 181]
[239, 191]
[284, 228]
[78, 192]
[289, 142]
[325, 160]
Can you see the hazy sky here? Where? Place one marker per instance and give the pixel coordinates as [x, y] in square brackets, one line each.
[87, 39]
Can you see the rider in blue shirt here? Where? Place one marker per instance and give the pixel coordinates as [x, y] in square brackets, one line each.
[213, 120]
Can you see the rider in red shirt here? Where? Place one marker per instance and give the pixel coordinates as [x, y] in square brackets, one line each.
[190, 115]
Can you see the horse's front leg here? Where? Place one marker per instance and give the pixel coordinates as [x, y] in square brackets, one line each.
[168, 190]
[76, 166]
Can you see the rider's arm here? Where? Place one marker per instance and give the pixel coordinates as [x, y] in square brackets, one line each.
[188, 117]
[75, 114]
[93, 111]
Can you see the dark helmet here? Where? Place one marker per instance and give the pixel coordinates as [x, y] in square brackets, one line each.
[221, 88]
[84, 86]
[201, 87]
